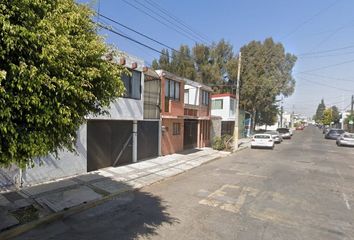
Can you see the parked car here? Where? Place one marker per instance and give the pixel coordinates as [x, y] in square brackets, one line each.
[284, 132]
[262, 141]
[333, 133]
[275, 135]
[300, 127]
[325, 129]
[346, 139]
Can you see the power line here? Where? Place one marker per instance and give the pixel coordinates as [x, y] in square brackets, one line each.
[325, 51]
[327, 77]
[170, 15]
[327, 66]
[326, 85]
[139, 33]
[324, 56]
[138, 45]
[169, 21]
[131, 39]
[158, 20]
[309, 19]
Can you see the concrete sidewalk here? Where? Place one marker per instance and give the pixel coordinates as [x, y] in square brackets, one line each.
[29, 207]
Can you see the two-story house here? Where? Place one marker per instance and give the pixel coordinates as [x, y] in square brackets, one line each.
[126, 134]
[223, 105]
[172, 112]
[196, 114]
[185, 113]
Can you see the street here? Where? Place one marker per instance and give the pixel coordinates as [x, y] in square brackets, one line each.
[303, 189]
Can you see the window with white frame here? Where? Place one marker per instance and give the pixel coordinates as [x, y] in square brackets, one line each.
[217, 104]
[132, 84]
[205, 97]
[186, 96]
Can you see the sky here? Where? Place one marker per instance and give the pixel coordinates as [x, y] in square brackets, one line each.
[319, 32]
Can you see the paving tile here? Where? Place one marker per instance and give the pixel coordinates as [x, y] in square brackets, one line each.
[112, 186]
[90, 177]
[59, 201]
[35, 190]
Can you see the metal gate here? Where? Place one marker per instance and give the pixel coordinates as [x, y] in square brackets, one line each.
[106, 141]
[148, 139]
[190, 137]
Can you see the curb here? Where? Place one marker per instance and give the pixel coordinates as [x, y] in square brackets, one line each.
[20, 229]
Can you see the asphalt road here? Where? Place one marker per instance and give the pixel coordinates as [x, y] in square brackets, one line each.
[303, 189]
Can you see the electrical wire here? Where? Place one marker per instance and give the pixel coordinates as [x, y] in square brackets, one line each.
[137, 32]
[298, 27]
[169, 21]
[176, 19]
[327, 77]
[326, 85]
[158, 20]
[327, 66]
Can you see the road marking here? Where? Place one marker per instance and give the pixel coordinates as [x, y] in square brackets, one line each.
[232, 204]
[346, 201]
[345, 198]
[248, 174]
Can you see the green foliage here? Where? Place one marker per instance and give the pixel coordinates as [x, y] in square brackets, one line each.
[327, 116]
[52, 75]
[335, 114]
[319, 112]
[222, 143]
[266, 73]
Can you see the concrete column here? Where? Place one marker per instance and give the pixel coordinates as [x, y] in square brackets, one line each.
[135, 141]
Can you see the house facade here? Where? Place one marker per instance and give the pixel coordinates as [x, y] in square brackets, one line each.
[172, 112]
[196, 114]
[223, 105]
[126, 134]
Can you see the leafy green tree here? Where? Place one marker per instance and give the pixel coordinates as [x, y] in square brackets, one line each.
[335, 115]
[53, 74]
[266, 72]
[319, 112]
[327, 116]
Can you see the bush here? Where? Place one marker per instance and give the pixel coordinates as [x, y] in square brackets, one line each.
[222, 143]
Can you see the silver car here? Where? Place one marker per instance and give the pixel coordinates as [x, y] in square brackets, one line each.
[275, 135]
[346, 139]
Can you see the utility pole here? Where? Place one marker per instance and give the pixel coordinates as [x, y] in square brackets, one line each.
[281, 112]
[351, 115]
[237, 103]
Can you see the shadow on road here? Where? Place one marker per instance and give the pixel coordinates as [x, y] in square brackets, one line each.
[129, 215]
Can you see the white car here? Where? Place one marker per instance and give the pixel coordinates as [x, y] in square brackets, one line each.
[262, 140]
[346, 139]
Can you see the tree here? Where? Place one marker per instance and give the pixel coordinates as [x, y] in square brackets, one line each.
[319, 112]
[335, 115]
[53, 74]
[327, 116]
[266, 73]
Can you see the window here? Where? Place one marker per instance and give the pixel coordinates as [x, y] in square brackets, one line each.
[176, 128]
[186, 96]
[205, 97]
[132, 84]
[232, 105]
[172, 89]
[217, 104]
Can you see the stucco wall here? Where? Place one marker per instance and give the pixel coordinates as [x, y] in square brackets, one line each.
[68, 164]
